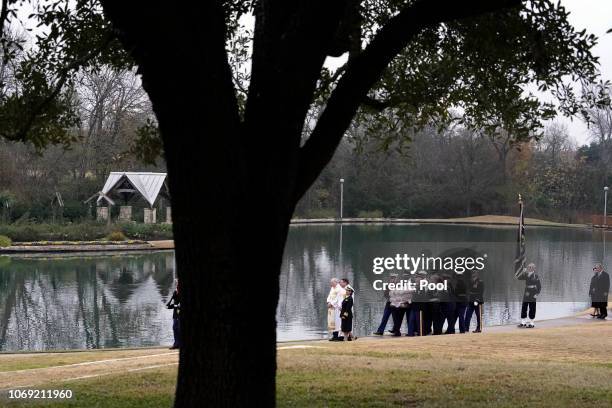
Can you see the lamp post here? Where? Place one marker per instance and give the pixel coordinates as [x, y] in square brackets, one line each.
[605, 220]
[605, 224]
[341, 197]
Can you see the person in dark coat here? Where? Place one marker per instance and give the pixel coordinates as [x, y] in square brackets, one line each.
[346, 313]
[600, 286]
[475, 302]
[175, 304]
[533, 286]
[594, 304]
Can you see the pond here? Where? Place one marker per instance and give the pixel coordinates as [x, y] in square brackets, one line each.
[85, 302]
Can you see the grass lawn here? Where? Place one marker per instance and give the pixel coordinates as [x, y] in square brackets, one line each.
[13, 362]
[557, 367]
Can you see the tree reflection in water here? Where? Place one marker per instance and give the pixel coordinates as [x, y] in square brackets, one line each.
[85, 302]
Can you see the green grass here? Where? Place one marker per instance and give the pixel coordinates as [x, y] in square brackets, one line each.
[560, 367]
[148, 389]
[26, 361]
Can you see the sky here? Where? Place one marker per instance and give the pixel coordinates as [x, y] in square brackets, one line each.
[593, 15]
[596, 17]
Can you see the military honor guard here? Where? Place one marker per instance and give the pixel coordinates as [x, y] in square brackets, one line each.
[475, 302]
[533, 287]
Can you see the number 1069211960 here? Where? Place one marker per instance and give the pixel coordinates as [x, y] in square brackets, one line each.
[39, 394]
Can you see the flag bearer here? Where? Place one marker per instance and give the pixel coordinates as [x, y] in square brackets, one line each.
[533, 286]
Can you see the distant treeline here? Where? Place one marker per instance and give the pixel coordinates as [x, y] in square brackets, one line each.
[465, 173]
[437, 173]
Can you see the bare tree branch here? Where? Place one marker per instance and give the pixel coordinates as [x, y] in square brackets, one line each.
[63, 77]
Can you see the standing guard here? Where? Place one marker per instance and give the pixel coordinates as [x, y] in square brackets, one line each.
[533, 286]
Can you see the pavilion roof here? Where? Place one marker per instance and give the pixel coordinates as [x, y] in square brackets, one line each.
[148, 184]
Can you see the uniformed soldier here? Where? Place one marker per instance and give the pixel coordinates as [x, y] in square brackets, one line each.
[436, 306]
[533, 286]
[449, 305]
[175, 304]
[475, 303]
[461, 297]
[387, 312]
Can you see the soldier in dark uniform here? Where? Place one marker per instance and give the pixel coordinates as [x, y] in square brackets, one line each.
[600, 286]
[425, 307]
[532, 290]
[475, 302]
[416, 319]
[175, 304]
[388, 310]
[449, 305]
[436, 306]
[461, 297]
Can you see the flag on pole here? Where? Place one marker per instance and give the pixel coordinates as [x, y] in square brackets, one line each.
[519, 260]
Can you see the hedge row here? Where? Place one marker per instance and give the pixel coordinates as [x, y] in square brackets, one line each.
[85, 231]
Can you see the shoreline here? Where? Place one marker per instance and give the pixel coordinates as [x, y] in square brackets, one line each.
[496, 220]
[76, 247]
[484, 220]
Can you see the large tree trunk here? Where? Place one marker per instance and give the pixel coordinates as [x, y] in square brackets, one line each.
[229, 235]
[229, 245]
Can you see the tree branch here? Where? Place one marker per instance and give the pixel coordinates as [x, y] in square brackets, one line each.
[376, 104]
[364, 70]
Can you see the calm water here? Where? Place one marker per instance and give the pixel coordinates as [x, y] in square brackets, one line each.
[118, 301]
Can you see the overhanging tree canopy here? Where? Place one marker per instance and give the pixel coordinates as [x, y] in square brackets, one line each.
[243, 134]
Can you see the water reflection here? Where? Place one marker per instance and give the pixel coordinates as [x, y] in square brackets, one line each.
[118, 301]
[76, 303]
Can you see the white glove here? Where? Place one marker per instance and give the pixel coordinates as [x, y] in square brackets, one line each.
[475, 303]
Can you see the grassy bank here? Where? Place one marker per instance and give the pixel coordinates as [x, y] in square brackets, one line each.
[477, 220]
[84, 231]
[91, 230]
[557, 367]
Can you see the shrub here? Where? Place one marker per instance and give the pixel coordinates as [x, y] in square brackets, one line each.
[147, 231]
[83, 231]
[5, 241]
[116, 236]
[370, 214]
